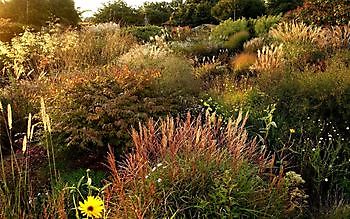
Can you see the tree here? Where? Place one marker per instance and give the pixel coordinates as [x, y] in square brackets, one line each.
[119, 12]
[282, 6]
[322, 12]
[194, 12]
[38, 12]
[157, 13]
[235, 9]
[64, 10]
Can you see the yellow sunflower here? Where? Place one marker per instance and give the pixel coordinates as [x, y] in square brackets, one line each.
[92, 207]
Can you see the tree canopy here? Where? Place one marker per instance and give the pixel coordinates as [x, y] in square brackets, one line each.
[282, 6]
[119, 12]
[235, 9]
[38, 12]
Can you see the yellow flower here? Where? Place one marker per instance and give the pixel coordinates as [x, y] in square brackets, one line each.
[92, 207]
[292, 131]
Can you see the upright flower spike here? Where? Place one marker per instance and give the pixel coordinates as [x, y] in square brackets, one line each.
[9, 116]
[92, 207]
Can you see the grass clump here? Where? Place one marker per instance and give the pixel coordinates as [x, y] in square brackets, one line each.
[189, 169]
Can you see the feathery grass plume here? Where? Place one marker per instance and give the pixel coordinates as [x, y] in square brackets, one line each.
[29, 126]
[43, 113]
[253, 45]
[269, 58]
[9, 116]
[338, 36]
[294, 31]
[24, 144]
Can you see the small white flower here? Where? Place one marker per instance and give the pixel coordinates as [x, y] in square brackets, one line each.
[330, 166]
[313, 149]
[153, 169]
[321, 139]
[159, 180]
[146, 177]
[347, 128]
[326, 179]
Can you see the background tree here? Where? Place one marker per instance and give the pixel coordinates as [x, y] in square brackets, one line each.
[157, 13]
[282, 6]
[235, 9]
[194, 13]
[119, 12]
[322, 12]
[38, 12]
[65, 11]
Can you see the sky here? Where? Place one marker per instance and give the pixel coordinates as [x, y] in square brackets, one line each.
[93, 5]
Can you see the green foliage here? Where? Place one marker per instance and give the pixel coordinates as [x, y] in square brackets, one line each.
[234, 9]
[157, 13]
[263, 24]
[194, 13]
[276, 7]
[234, 195]
[37, 12]
[318, 95]
[322, 12]
[227, 28]
[144, 33]
[118, 12]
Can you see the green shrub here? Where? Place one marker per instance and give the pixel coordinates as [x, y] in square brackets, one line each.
[144, 33]
[227, 28]
[263, 24]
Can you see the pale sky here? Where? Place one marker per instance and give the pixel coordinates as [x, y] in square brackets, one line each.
[93, 5]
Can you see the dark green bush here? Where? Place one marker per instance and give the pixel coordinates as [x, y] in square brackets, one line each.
[144, 33]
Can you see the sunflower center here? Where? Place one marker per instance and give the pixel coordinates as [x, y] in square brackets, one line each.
[90, 208]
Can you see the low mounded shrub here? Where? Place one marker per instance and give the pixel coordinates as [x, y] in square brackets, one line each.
[90, 114]
[262, 25]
